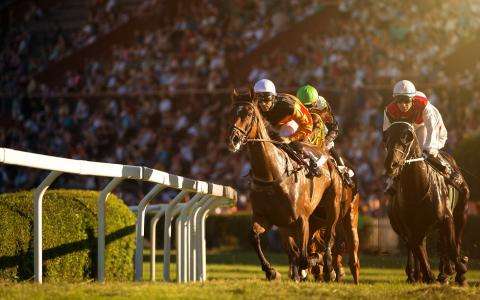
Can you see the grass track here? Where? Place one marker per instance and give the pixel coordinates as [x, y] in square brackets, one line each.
[236, 275]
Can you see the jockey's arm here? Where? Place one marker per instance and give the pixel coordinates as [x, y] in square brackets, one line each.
[333, 130]
[386, 124]
[302, 116]
[436, 132]
[386, 121]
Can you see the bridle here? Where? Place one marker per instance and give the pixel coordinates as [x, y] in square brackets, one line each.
[406, 154]
[244, 132]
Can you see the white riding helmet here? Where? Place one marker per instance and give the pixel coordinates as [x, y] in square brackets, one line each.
[404, 87]
[420, 94]
[264, 86]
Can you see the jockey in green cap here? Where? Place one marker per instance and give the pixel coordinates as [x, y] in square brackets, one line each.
[325, 127]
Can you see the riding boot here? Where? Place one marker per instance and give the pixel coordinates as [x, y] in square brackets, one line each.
[452, 176]
[341, 167]
[313, 169]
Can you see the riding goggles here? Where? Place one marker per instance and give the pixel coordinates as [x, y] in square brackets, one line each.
[402, 99]
[264, 97]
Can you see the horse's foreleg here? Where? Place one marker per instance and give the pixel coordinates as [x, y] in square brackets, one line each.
[304, 238]
[420, 251]
[258, 228]
[293, 254]
[350, 226]
[445, 267]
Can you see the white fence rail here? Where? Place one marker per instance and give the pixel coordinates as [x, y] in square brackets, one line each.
[188, 260]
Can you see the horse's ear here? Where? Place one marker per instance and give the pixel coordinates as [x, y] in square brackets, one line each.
[233, 95]
[251, 92]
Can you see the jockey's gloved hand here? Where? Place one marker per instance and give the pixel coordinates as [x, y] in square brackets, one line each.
[431, 152]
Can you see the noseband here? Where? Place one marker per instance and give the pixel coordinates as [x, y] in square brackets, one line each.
[407, 153]
[244, 132]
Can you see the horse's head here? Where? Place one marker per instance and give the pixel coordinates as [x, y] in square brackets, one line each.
[245, 117]
[401, 143]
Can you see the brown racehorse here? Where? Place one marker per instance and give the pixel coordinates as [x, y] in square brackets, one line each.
[422, 202]
[347, 235]
[281, 194]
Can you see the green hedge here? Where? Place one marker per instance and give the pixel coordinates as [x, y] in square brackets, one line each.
[69, 236]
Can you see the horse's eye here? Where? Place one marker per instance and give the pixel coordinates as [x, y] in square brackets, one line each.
[243, 112]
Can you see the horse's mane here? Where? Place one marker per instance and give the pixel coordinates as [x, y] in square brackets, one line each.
[262, 132]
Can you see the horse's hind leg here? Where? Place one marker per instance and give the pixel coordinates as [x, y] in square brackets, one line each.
[460, 216]
[337, 261]
[453, 251]
[350, 225]
[410, 268]
[333, 210]
[258, 228]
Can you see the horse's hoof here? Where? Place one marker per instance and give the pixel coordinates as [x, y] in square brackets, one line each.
[411, 280]
[430, 280]
[272, 274]
[329, 276]
[303, 263]
[340, 275]
[463, 284]
[442, 279]
[303, 275]
[461, 281]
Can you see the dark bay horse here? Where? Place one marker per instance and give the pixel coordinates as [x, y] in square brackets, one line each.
[280, 194]
[422, 202]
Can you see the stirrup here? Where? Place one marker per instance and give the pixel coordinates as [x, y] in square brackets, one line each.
[313, 170]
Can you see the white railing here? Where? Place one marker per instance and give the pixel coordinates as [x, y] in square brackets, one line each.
[217, 194]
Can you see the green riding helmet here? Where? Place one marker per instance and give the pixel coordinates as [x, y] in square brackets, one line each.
[308, 95]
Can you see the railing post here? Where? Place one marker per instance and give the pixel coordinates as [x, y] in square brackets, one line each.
[102, 198]
[153, 240]
[172, 210]
[182, 238]
[193, 232]
[140, 229]
[37, 224]
[200, 236]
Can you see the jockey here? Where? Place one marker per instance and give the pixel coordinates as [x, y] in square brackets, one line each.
[325, 127]
[412, 106]
[288, 115]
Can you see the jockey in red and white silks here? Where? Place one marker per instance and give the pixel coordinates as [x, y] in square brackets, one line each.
[426, 119]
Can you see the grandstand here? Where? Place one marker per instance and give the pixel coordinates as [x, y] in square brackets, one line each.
[147, 82]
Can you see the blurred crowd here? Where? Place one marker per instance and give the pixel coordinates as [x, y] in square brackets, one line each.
[149, 119]
[27, 50]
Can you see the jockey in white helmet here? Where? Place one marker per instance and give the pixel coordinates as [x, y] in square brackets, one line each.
[412, 106]
[288, 116]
